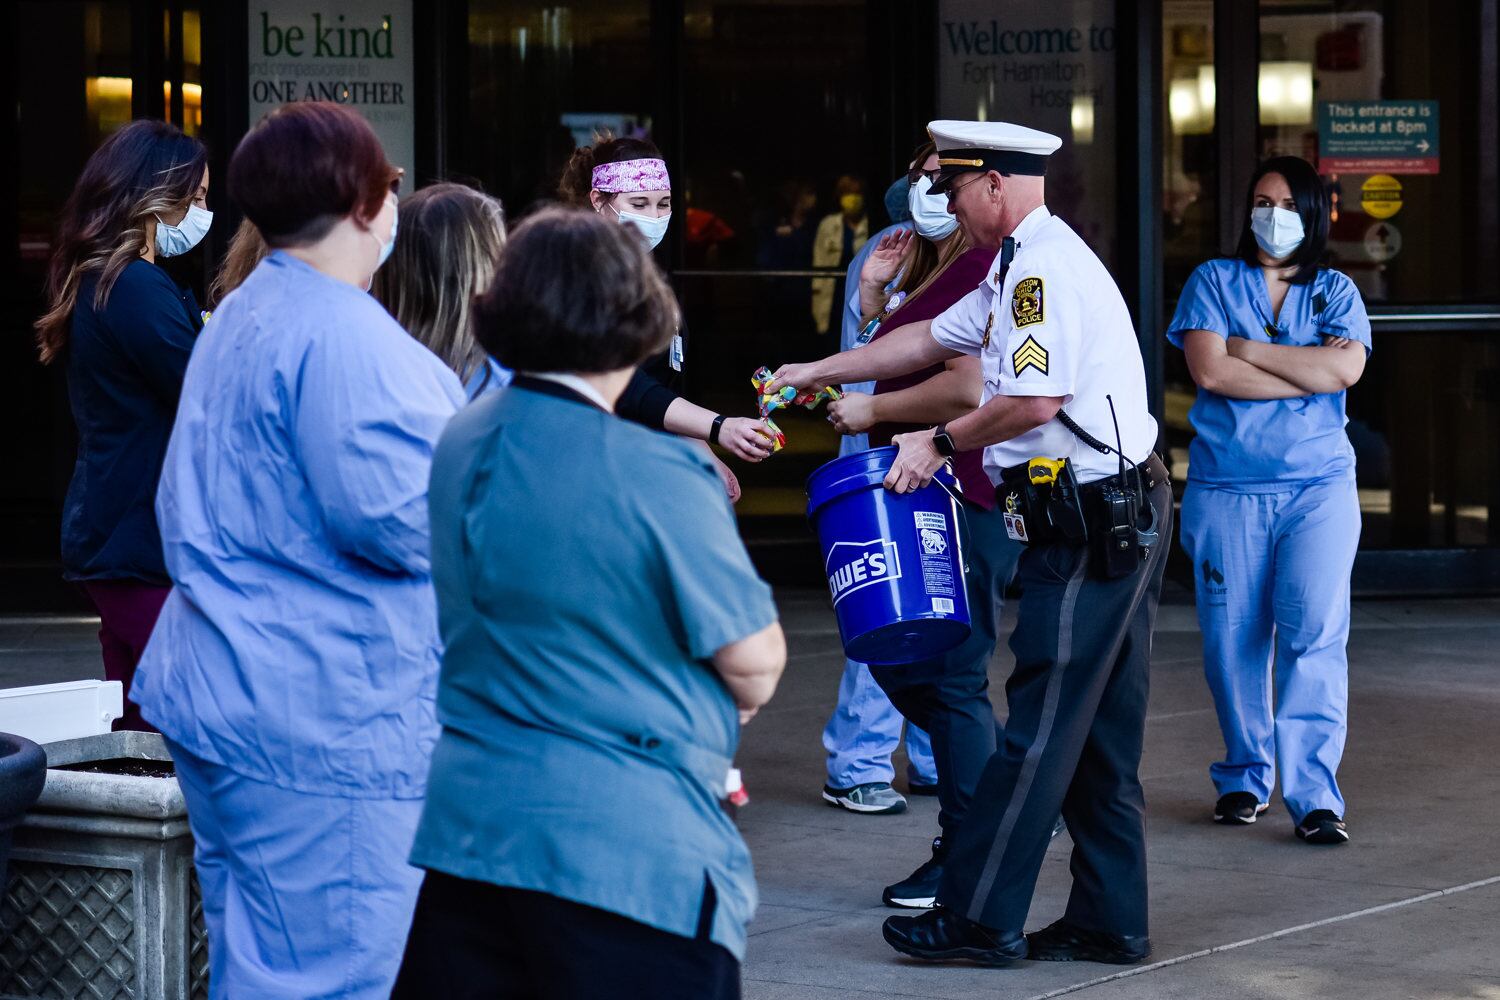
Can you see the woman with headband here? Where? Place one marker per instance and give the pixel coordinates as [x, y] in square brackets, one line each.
[626, 180]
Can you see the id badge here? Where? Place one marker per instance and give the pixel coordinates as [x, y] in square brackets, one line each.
[676, 357]
[1015, 527]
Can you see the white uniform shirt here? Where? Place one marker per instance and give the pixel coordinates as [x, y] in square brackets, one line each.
[1058, 327]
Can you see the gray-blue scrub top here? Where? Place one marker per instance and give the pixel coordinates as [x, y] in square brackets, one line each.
[587, 569]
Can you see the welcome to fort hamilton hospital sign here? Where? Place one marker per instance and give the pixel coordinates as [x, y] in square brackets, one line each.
[353, 52]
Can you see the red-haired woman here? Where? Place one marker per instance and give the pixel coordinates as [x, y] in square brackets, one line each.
[125, 330]
[294, 666]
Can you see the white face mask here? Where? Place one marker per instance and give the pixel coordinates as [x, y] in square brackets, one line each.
[387, 247]
[179, 239]
[929, 212]
[1277, 230]
[654, 230]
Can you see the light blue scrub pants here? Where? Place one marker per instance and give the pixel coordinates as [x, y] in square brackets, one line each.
[865, 728]
[863, 732]
[304, 896]
[1272, 572]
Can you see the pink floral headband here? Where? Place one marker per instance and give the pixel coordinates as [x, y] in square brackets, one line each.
[632, 175]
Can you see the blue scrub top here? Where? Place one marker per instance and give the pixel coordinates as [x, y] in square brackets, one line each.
[488, 377]
[587, 570]
[299, 645]
[1266, 445]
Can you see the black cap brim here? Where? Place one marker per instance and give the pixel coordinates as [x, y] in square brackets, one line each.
[947, 175]
[969, 161]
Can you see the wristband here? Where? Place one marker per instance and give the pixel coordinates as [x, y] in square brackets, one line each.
[713, 432]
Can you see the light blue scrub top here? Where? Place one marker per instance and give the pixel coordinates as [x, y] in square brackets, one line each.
[487, 378]
[299, 644]
[587, 570]
[1258, 446]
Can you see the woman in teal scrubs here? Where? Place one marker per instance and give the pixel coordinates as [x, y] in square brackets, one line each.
[1270, 517]
[605, 637]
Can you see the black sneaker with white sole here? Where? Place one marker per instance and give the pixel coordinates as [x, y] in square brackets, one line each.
[877, 798]
[1323, 826]
[1238, 809]
[918, 891]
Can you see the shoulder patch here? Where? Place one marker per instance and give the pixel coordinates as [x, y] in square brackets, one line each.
[1029, 355]
[1026, 302]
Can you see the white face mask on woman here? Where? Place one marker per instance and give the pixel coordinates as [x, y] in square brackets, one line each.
[179, 239]
[929, 212]
[654, 230]
[1277, 230]
[387, 247]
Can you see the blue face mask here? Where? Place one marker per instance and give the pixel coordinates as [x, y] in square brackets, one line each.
[1277, 230]
[929, 212]
[179, 239]
[653, 230]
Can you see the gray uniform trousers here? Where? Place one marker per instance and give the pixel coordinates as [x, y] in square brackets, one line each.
[1072, 744]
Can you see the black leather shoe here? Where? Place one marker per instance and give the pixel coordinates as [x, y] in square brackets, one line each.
[1065, 942]
[940, 935]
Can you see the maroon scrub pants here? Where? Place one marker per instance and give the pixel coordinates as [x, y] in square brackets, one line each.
[127, 614]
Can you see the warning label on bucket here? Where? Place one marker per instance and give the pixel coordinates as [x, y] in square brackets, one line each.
[937, 565]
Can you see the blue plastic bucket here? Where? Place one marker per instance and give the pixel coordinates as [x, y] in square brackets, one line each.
[894, 562]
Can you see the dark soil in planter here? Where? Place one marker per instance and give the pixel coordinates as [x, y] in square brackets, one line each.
[132, 766]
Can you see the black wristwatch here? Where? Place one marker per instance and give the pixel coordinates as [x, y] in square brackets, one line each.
[713, 432]
[942, 442]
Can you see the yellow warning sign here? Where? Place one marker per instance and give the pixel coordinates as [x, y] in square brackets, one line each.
[1380, 196]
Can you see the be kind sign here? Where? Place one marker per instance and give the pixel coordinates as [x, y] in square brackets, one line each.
[354, 52]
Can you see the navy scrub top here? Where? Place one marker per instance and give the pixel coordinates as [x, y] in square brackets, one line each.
[125, 367]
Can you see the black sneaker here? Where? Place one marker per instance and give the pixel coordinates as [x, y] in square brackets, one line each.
[918, 891]
[943, 936]
[1238, 809]
[1065, 942]
[1323, 826]
[920, 788]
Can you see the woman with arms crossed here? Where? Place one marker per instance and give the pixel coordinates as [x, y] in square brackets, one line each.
[1271, 518]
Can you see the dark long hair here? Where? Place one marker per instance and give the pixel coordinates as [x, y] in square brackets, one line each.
[146, 168]
[1311, 199]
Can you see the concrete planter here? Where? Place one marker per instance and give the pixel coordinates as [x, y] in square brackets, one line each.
[101, 899]
[23, 770]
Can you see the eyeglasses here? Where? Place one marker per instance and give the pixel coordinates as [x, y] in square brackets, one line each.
[953, 189]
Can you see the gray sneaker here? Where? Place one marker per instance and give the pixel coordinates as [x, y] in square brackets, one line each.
[877, 797]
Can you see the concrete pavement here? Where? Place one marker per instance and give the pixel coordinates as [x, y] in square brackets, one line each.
[1409, 909]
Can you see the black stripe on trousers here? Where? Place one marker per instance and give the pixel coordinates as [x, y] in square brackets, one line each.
[1025, 778]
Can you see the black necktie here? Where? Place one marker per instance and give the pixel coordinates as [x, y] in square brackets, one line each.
[1007, 254]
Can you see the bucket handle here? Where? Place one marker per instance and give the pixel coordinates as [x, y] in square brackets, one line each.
[963, 514]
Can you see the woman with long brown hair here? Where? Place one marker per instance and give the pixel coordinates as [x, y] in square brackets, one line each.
[625, 180]
[447, 245]
[910, 277]
[124, 329]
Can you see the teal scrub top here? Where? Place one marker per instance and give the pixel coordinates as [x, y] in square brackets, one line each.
[1266, 445]
[587, 569]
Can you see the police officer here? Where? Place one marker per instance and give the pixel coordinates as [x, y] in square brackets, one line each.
[1064, 383]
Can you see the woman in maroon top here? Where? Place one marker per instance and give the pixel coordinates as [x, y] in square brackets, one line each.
[911, 277]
